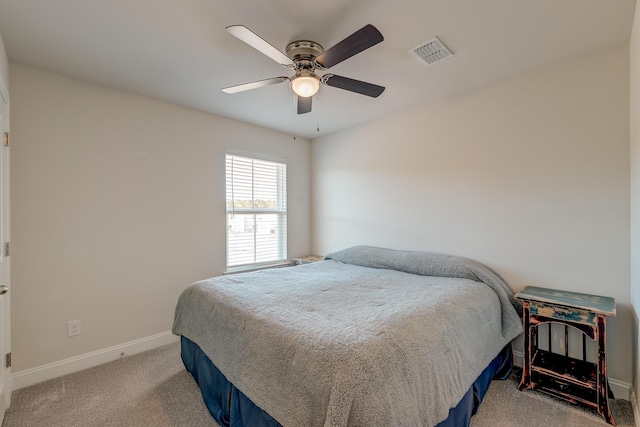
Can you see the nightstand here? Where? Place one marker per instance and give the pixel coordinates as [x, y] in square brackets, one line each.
[307, 259]
[575, 380]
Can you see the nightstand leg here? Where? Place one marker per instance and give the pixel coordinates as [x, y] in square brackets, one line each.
[525, 382]
[603, 385]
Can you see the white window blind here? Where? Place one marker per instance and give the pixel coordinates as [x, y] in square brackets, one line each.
[256, 211]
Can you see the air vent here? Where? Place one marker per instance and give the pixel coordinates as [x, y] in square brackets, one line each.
[430, 52]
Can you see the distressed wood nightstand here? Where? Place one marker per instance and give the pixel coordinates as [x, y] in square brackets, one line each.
[575, 380]
[307, 259]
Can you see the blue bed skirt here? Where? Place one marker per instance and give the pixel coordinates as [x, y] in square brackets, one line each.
[231, 408]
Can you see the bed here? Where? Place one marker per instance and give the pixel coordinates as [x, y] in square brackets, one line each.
[367, 337]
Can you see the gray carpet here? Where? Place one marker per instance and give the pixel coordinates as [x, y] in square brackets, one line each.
[146, 389]
[153, 389]
[505, 406]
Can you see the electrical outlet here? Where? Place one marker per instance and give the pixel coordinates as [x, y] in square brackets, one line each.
[73, 328]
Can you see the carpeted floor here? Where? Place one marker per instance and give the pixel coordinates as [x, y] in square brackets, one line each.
[146, 389]
[153, 389]
[505, 406]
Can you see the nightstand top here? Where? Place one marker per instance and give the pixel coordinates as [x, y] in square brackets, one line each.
[308, 259]
[594, 303]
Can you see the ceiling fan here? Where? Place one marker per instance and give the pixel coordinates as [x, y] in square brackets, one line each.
[305, 57]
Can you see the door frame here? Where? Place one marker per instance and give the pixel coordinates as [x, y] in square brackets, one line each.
[5, 276]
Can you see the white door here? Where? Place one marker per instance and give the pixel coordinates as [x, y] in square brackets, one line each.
[5, 326]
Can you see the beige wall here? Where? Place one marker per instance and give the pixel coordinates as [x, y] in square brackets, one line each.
[117, 206]
[634, 125]
[529, 175]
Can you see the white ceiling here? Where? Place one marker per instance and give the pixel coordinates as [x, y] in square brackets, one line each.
[178, 50]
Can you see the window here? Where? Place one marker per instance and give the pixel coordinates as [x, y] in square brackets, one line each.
[256, 211]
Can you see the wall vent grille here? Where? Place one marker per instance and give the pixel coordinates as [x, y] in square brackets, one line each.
[430, 52]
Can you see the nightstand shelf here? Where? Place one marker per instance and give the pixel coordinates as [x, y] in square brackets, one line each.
[576, 371]
[575, 380]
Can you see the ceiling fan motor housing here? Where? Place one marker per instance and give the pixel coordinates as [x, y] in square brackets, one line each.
[303, 53]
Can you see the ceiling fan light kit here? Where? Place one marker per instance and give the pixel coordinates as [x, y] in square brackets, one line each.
[305, 84]
[304, 57]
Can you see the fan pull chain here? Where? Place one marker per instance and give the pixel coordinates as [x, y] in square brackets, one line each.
[317, 114]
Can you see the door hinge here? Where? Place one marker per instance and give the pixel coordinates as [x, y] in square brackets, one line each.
[7, 360]
[7, 248]
[7, 141]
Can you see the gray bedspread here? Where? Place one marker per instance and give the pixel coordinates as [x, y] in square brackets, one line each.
[335, 343]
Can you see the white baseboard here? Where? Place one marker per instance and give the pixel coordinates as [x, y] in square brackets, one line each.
[49, 371]
[620, 389]
[634, 407]
[518, 357]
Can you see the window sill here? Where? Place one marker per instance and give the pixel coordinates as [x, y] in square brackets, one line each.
[250, 268]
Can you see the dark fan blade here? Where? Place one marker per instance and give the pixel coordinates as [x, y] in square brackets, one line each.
[362, 39]
[304, 104]
[353, 85]
[258, 43]
[255, 85]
